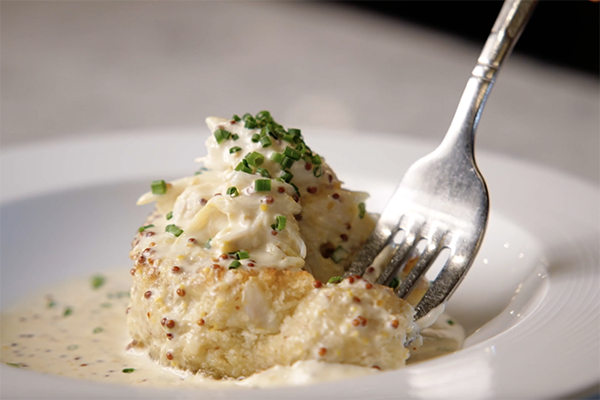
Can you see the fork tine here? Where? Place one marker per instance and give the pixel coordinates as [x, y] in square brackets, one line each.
[445, 283]
[401, 254]
[424, 262]
[375, 243]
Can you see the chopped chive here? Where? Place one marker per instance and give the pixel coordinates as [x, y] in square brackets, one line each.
[295, 188]
[244, 167]
[262, 185]
[68, 311]
[207, 244]
[271, 132]
[265, 141]
[316, 159]
[51, 304]
[294, 131]
[450, 322]
[97, 281]
[394, 282]
[199, 172]
[287, 162]
[255, 138]
[339, 254]
[235, 136]
[106, 305]
[246, 116]
[277, 157]
[235, 264]
[221, 135]
[250, 124]
[263, 115]
[143, 228]
[255, 159]
[286, 176]
[335, 279]
[98, 329]
[128, 370]
[242, 255]
[292, 153]
[174, 229]
[263, 172]
[234, 149]
[289, 138]
[169, 215]
[280, 222]
[72, 347]
[236, 118]
[318, 171]
[14, 365]
[159, 187]
[233, 192]
[361, 210]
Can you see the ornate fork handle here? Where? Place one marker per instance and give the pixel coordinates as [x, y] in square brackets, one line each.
[504, 35]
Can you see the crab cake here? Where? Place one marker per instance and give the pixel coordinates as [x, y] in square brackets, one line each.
[229, 270]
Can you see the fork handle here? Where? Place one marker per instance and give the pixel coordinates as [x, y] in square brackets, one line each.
[504, 35]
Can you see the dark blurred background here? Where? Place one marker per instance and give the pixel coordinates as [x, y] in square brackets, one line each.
[564, 33]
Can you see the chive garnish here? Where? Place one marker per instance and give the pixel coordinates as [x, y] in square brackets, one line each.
[236, 118]
[287, 162]
[51, 304]
[174, 229]
[361, 210]
[296, 189]
[286, 176]
[106, 305]
[234, 149]
[255, 138]
[339, 254]
[262, 185]
[394, 282]
[169, 215]
[242, 255]
[235, 136]
[98, 329]
[143, 228]
[280, 222]
[97, 281]
[235, 264]
[68, 311]
[159, 187]
[318, 171]
[255, 159]
[316, 159]
[277, 157]
[263, 115]
[288, 138]
[250, 123]
[335, 279]
[207, 244]
[72, 347]
[265, 141]
[128, 370]
[221, 135]
[294, 132]
[14, 365]
[263, 172]
[450, 322]
[233, 192]
[292, 153]
[244, 167]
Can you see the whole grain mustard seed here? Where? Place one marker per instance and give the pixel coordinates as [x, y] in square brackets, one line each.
[169, 355]
[322, 351]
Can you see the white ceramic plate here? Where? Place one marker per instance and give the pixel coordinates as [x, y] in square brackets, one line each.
[531, 302]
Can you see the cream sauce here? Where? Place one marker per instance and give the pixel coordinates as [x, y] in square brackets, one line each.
[79, 330]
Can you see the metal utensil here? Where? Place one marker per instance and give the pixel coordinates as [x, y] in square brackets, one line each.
[443, 199]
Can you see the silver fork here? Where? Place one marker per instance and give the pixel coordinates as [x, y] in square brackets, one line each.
[443, 198]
